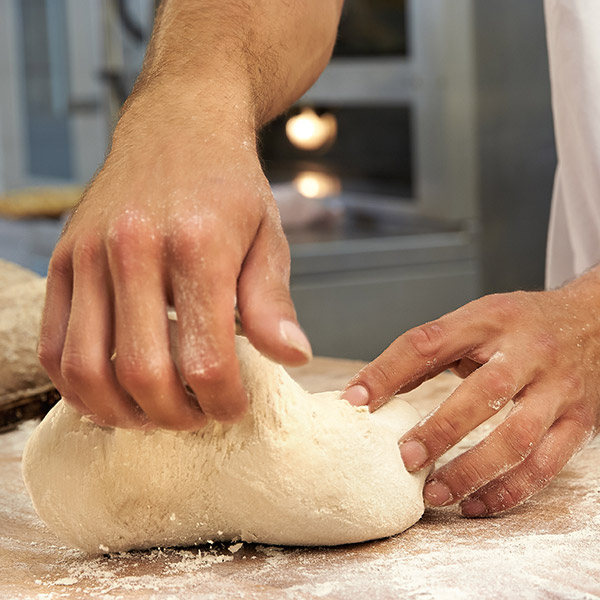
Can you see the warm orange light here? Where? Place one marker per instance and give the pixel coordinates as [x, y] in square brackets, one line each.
[309, 131]
[312, 184]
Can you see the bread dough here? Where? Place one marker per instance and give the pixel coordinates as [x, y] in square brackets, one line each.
[21, 302]
[299, 469]
[13, 274]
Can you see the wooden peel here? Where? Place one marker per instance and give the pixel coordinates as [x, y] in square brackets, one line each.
[25, 390]
[23, 405]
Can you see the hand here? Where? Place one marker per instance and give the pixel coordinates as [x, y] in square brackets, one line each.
[541, 350]
[180, 214]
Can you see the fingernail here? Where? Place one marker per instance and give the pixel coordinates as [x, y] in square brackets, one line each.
[473, 508]
[414, 454]
[437, 494]
[294, 336]
[357, 395]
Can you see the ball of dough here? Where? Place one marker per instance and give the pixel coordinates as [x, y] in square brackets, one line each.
[12, 274]
[21, 303]
[299, 469]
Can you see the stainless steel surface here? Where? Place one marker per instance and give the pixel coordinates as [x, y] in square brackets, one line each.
[356, 292]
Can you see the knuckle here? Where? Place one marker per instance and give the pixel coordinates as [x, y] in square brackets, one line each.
[127, 235]
[496, 384]
[582, 417]
[506, 307]
[377, 378]
[282, 253]
[506, 495]
[262, 304]
[49, 354]
[426, 341]
[540, 471]
[280, 296]
[86, 255]
[139, 373]
[120, 233]
[467, 477]
[442, 432]
[60, 262]
[518, 439]
[77, 369]
[214, 389]
[279, 257]
[189, 239]
[204, 374]
[547, 345]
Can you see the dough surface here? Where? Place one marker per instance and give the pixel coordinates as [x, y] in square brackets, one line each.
[299, 469]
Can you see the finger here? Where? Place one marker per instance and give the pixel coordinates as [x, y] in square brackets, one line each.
[86, 364]
[417, 382]
[55, 319]
[505, 447]
[415, 354]
[204, 297]
[462, 368]
[266, 308]
[143, 362]
[544, 462]
[475, 400]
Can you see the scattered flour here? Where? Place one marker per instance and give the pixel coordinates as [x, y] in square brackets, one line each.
[547, 548]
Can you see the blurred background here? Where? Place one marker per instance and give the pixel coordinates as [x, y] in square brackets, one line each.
[415, 175]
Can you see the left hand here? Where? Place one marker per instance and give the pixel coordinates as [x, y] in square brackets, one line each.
[539, 349]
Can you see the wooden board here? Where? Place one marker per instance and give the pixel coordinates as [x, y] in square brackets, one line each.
[547, 548]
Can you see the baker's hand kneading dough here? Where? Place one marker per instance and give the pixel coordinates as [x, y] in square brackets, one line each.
[181, 214]
[540, 350]
[298, 469]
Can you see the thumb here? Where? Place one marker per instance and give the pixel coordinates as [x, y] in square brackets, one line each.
[266, 309]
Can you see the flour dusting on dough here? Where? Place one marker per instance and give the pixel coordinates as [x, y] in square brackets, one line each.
[299, 469]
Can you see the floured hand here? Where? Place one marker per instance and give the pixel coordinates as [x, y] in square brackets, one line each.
[539, 349]
[181, 215]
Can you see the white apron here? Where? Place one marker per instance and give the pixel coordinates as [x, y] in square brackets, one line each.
[573, 34]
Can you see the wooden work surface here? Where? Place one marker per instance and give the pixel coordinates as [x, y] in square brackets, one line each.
[548, 548]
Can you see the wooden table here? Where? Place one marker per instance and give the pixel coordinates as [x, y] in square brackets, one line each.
[547, 548]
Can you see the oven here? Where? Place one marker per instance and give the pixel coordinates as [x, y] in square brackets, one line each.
[384, 144]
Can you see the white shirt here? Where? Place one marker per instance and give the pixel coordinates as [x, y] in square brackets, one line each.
[573, 34]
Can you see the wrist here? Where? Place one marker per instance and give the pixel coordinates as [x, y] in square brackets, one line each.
[184, 114]
[588, 280]
[582, 294]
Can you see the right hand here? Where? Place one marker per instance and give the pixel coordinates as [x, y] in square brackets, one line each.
[180, 214]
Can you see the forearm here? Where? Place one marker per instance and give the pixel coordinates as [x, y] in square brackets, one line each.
[253, 57]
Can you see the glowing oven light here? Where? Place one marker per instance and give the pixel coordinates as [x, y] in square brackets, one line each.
[312, 184]
[309, 131]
